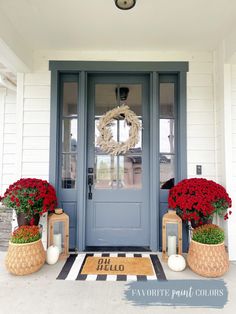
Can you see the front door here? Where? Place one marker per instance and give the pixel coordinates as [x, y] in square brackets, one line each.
[118, 211]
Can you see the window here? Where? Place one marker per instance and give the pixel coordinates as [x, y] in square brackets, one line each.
[69, 135]
[167, 131]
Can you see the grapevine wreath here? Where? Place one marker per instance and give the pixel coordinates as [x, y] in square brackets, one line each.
[105, 139]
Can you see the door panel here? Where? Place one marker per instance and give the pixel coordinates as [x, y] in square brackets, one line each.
[118, 213]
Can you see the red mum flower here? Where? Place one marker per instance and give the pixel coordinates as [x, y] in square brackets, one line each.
[30, 195]
[198, 199]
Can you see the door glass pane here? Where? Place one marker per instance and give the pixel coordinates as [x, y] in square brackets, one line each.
[69, 165]
[113, 127]
[69, 130]
[69, 135]
[167, 100]
[123, 171]
[167, 171]
[124, 134]
[167, 130]
[130, 171]
[70, 96]
[106, 172]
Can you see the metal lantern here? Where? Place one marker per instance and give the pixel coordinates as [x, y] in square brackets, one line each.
[171, 234]
[58, 232]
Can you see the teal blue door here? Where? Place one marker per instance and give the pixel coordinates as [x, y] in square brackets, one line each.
[118, 211]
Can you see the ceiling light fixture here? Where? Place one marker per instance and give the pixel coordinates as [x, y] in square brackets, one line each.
[125, 4]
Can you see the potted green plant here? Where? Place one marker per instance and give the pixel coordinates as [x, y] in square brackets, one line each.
[207, 255]
[25, 253]
[30, 198]
[196, 200]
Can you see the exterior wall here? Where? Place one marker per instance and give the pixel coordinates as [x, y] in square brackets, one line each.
[219, 114]
[7, 138]
[232, 153]
[34, 108]
[221, 123]
[233, 102]
[201, 119]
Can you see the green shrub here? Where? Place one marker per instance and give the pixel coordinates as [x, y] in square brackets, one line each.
[209, 234]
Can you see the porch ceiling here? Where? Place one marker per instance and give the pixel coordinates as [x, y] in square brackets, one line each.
[99, 25]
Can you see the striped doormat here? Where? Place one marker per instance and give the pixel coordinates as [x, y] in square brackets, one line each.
[112, 267]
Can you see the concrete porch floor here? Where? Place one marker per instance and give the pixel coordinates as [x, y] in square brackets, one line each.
[41, 293]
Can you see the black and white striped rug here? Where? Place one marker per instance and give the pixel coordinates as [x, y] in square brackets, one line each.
[74, 264]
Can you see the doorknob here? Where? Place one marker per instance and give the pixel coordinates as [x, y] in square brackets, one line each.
[90, 183]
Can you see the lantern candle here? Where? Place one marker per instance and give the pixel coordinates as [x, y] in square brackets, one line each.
[57, 241]
[171, 245]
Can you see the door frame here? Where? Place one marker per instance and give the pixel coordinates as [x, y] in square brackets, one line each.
[83, 68]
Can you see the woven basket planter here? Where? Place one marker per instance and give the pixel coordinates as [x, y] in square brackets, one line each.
[208, 260]
[26, 258]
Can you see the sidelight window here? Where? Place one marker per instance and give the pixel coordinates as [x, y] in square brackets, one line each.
[167, 132]
[69, 127]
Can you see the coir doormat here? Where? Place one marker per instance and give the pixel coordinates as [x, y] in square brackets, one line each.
[112, 267]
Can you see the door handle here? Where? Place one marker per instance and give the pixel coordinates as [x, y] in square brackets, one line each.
[90, 183]
[90, 179]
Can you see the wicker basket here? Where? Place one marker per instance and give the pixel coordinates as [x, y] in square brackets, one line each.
[24, 259]
[208, 260]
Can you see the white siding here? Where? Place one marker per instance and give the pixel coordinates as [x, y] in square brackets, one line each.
[231, 223]
[7, 138]
[219, 114]
[36, 119]
[2, 116]
[24, 129]
[201, 119]
[233, 95]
